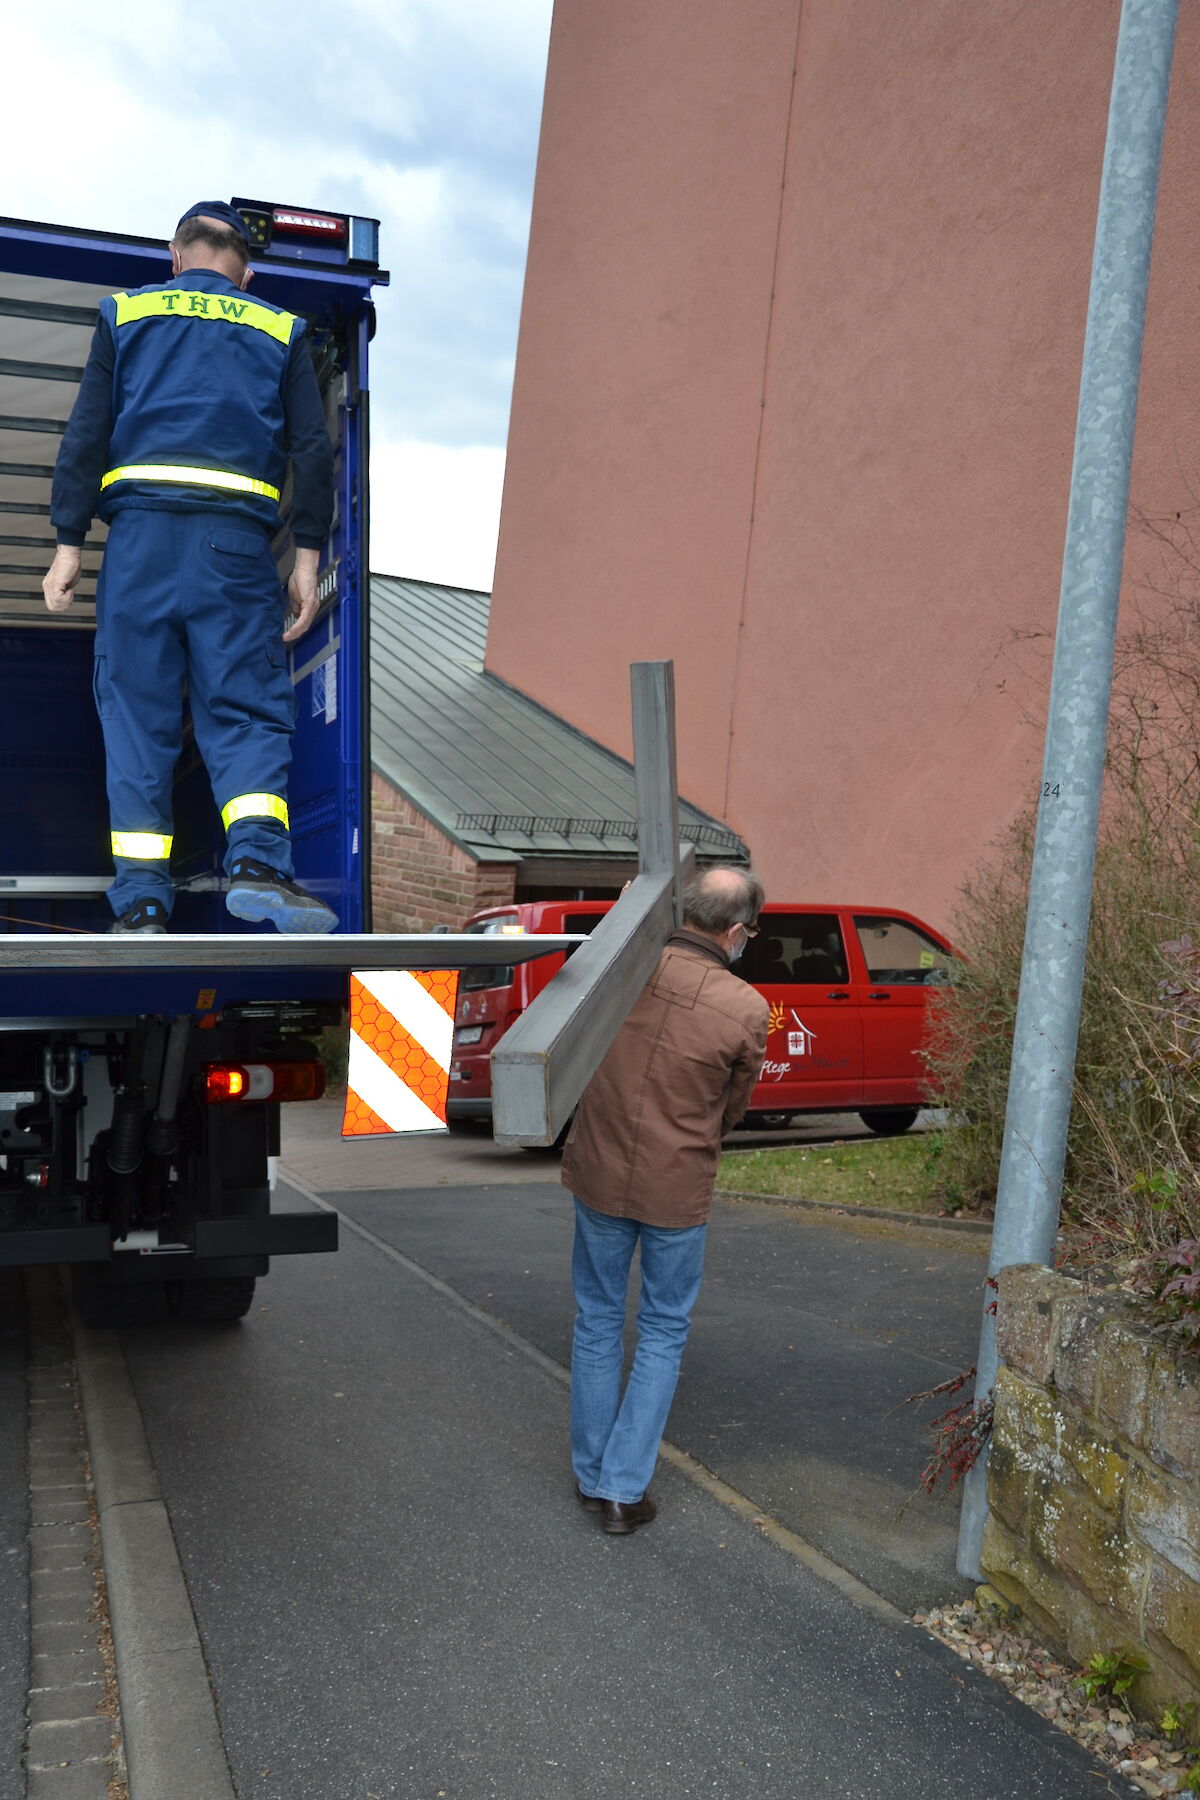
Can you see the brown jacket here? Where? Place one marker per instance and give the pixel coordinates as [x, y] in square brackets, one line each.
[677, 1075]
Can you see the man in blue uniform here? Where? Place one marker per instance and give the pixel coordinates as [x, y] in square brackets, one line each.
[193, 401]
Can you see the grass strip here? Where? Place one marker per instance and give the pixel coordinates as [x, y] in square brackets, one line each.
[899, 1173]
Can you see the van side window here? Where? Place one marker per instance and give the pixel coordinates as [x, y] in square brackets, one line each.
[898, 954]
[491, 977]
[794, 947]
[578, 925]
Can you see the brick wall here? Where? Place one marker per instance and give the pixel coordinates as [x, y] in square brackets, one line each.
[419, 879]
[1094, 1481]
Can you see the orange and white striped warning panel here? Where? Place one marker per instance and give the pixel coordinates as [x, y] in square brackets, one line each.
[401, 1034]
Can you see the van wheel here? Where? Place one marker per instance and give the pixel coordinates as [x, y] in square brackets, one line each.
[890, 1121]
[774, 1121]
[214, 1300]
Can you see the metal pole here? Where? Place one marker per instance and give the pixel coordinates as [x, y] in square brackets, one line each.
[1047, 1024]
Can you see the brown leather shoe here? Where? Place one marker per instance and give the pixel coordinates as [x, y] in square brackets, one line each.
[621, 1517]
[589, 1502]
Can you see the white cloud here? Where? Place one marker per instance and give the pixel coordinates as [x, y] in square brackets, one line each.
[423, 112]
[435, 511]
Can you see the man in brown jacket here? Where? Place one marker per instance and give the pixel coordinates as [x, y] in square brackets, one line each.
[641, 1162]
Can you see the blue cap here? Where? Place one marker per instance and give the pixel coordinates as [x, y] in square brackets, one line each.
[218, 209]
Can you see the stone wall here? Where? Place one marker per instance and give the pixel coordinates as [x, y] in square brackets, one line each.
[420, 879]
[1094, 1481]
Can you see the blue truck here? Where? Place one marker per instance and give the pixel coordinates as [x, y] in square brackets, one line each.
[141, 1078]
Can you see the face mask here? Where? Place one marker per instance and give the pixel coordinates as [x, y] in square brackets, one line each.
[734, 954]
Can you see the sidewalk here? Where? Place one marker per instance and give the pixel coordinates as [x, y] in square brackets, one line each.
[810, 1333]
[399, 1597]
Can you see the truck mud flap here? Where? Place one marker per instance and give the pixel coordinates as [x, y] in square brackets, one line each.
[270, 1234]
[29, 1248]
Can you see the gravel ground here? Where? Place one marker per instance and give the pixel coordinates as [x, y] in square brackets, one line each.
[993, 1641]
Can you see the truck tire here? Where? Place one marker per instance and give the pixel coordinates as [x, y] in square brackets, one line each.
[213, 1300]
[104, 1306]
[890, 1121]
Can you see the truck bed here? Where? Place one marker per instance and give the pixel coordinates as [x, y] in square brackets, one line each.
[55, 864]
[275, 953]
[77, 978]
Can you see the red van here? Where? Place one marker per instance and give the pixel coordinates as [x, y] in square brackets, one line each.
[847, 987]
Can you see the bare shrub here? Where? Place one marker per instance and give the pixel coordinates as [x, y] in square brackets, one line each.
[1133, 1163]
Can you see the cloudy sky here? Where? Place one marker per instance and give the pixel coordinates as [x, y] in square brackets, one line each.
[422, 113]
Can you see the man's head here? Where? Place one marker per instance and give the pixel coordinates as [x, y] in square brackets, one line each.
[722, 904]
[211, 235]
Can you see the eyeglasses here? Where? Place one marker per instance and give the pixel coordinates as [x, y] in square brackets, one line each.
[751, 931]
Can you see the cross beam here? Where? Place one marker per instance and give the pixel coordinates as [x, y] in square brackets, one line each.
[544, 1062]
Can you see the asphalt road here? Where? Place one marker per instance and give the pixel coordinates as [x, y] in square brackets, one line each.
[807, 1340]
[468, 1157]
[400, 1600]
[14, 1544]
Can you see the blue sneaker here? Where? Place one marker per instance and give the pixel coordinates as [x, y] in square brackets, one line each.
[145, 918]
[258, 892]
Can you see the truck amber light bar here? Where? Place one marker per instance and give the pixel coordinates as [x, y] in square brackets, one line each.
[262, 1081]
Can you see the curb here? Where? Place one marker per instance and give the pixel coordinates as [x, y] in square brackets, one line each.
[172, 1739]
[979, 1227]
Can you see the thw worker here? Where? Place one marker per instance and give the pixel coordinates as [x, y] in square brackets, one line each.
[192, 403]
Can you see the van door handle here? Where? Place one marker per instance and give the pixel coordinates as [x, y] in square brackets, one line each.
[841, 994]
[879, 994]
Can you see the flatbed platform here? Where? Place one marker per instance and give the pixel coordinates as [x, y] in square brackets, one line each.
[273, 952]
[44, 976]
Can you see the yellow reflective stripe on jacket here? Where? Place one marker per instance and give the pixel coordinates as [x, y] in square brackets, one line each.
[218, 478]
[254, 806]
[141, 846]
[183, 303]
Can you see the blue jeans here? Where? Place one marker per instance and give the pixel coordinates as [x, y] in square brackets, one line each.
[615, 1438]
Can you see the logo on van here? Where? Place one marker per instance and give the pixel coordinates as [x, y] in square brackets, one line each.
[800, 1041]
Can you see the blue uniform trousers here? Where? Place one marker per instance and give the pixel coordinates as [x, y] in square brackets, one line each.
[191, 596]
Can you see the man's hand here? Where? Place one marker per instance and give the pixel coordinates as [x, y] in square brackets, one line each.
[60, 582]
[302, 593]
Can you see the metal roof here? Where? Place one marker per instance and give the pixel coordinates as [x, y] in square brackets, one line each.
[497, 773]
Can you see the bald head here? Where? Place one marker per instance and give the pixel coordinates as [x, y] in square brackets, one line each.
[721, 898]
[204, 242]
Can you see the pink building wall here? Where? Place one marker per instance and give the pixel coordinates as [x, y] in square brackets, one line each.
[795, 402]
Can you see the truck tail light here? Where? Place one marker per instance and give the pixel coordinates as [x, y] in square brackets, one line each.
[297, 223]
[262, 1081]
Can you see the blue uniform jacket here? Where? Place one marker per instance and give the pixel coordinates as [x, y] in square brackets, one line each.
[195, 373]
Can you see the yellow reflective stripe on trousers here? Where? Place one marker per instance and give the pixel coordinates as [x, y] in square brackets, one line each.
[254, 806]
[218, 478]
[141, 846]
[183, 303]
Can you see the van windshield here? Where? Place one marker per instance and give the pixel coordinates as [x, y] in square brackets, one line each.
[794, 947]
[486, 977]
